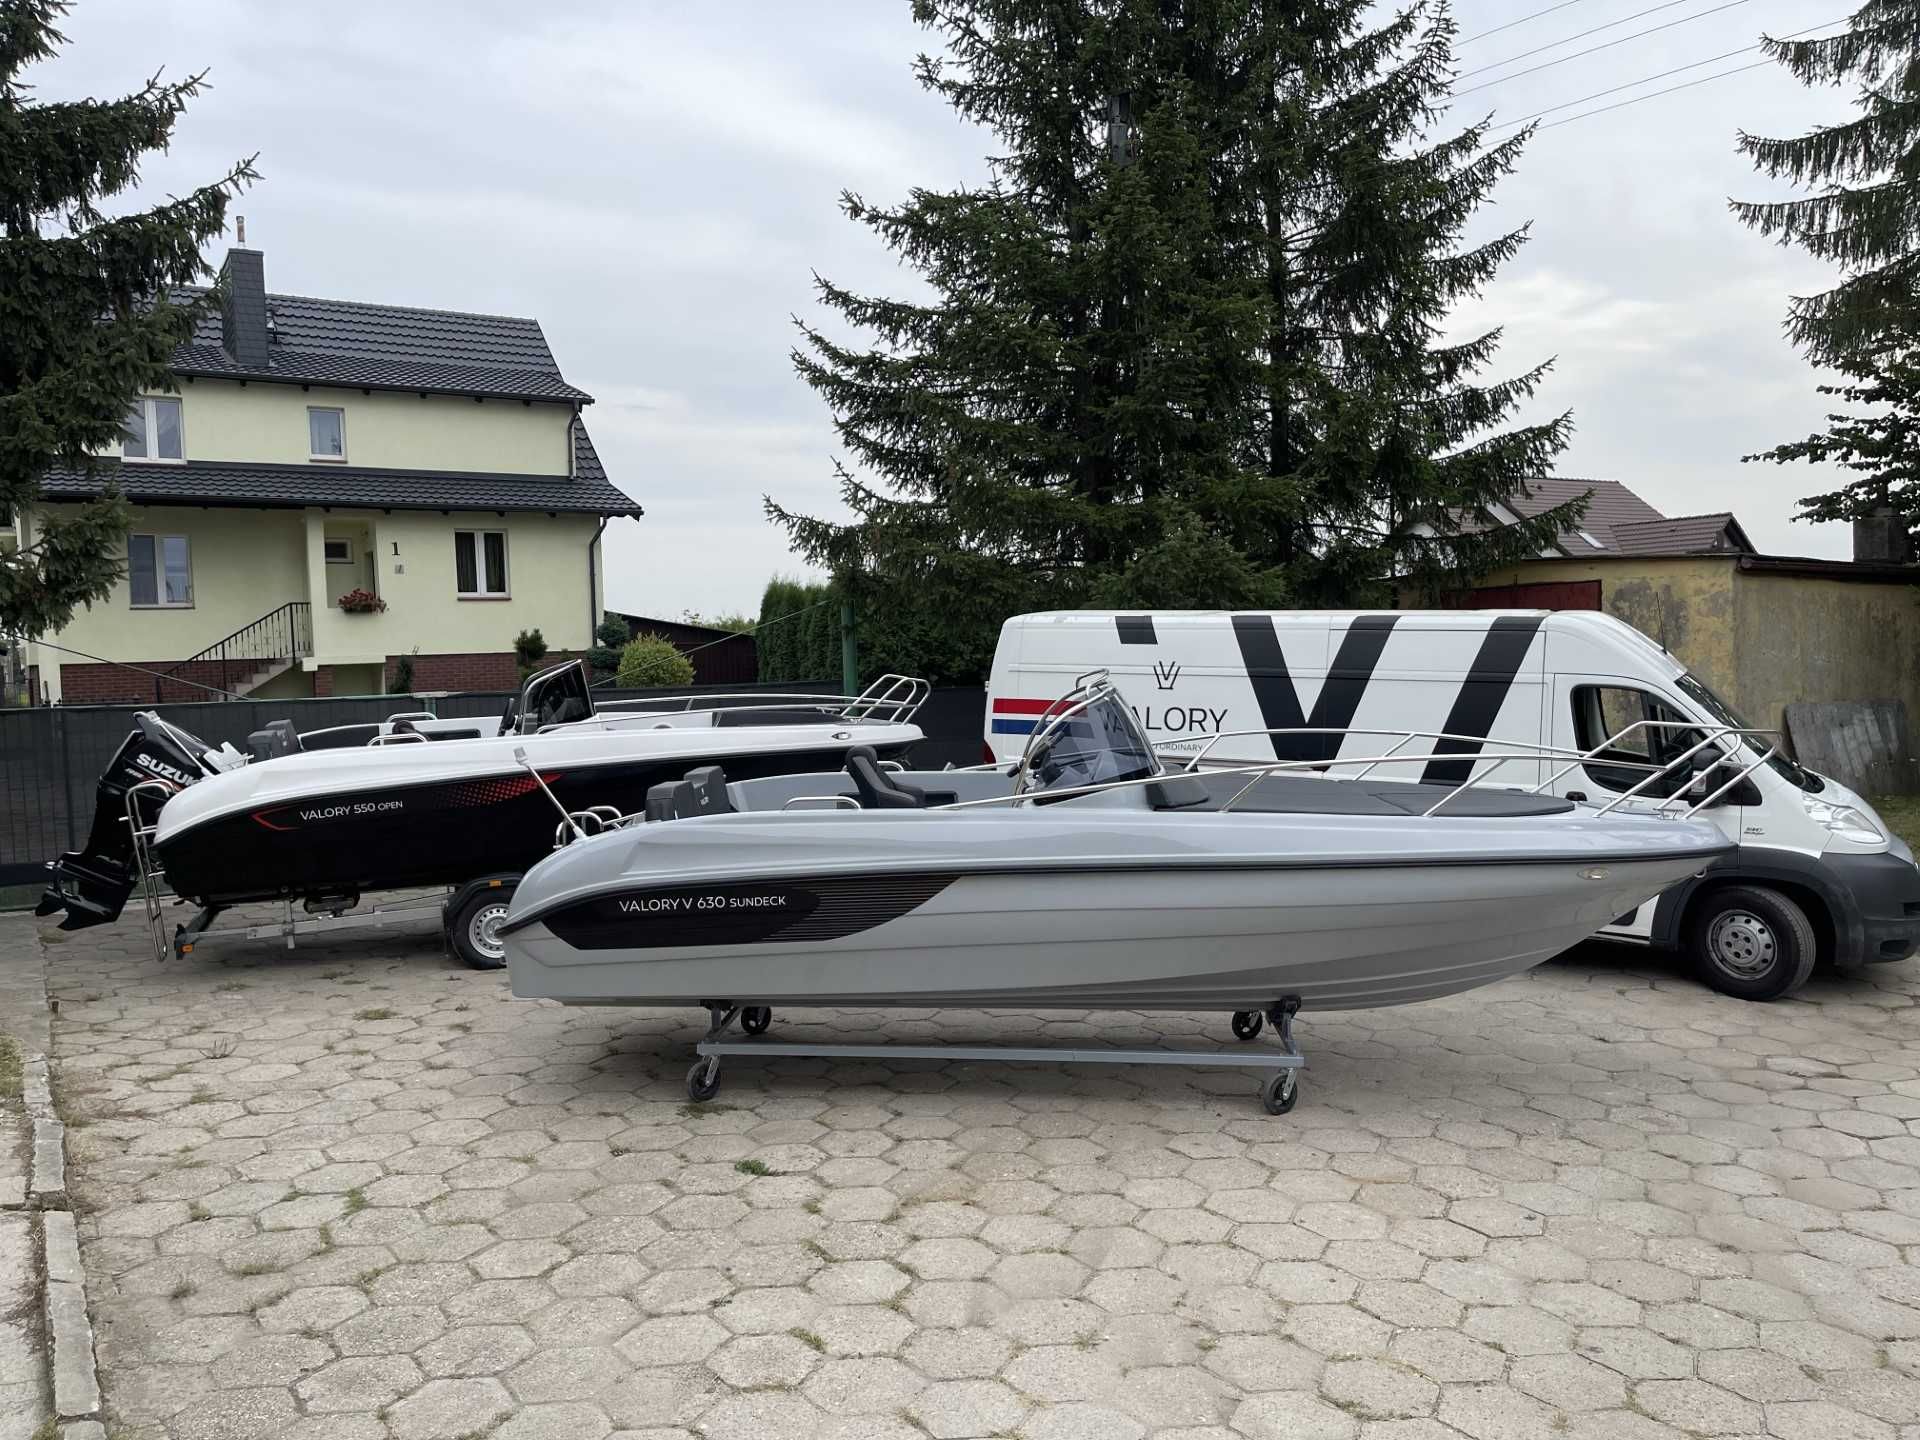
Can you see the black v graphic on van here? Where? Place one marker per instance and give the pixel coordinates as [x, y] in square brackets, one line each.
[1339, 697]
[1482, 694]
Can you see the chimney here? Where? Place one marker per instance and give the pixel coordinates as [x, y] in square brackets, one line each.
[243, 308]
[1881, 538]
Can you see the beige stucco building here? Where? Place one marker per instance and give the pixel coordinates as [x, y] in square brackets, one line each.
[1764, 631]
[434, 461]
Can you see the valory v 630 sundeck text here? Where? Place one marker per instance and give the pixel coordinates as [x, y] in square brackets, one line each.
[1086, 879]
[428, 808]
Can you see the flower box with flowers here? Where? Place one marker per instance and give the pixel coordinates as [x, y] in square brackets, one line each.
[360, 602]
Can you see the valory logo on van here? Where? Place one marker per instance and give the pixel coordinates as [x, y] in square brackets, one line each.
[1166, 673]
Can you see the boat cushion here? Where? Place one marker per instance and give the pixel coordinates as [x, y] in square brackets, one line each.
[660, 800]
[879, 789]
[275, 738]
[703, 792]
[1178, 792]
[1299, 795]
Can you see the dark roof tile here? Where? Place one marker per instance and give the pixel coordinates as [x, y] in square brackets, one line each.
[352, 343]
[208, 482]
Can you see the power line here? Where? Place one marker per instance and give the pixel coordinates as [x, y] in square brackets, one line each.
[1660, 75]
[1569, 39]
[1564, 4]
[1596, 49]
[1656, 94]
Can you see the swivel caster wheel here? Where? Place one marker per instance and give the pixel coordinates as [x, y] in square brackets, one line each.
[1279, 1093]
[756, 1018]
[1247, 1024]
[703, 1081]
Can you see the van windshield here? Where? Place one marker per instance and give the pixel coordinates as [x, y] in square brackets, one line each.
[1702, 694]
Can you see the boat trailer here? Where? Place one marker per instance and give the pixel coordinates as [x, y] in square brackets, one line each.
[477, 906]
[1277, 1093]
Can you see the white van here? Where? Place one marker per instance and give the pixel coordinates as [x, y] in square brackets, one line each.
[1817, 874]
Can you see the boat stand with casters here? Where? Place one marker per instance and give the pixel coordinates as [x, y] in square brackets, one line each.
[1277, 1093]
[468, 913]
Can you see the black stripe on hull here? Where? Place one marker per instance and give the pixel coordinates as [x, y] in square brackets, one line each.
[1339, 698]
[1136, 629]
[1481, 695]
[743, 912]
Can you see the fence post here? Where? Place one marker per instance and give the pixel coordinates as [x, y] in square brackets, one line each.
[849, 652]
[66, 778]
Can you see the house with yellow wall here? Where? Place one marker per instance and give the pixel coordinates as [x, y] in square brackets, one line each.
[1765, 631]
[429, 468]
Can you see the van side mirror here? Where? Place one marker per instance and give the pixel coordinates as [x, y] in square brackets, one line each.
[1713, 771]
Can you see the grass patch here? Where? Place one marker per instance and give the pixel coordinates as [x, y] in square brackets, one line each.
[255, 1267]
[227, 986]
[201, 1096]
[9, 1068]
[1902, 814]
[752, 1167]
[808, 1338]
[379, 1012]
[356, 1201]
[707, 1107]
[197, 1211]
[182, 1290]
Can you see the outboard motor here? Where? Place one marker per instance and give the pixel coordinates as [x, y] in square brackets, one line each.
[91, 885]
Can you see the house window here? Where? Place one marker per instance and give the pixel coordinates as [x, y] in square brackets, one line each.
[160, 571]
[339, 552]
[326, 433]
[152, 430]
[480, 564]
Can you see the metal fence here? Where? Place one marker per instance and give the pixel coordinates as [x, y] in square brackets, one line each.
[51, 757]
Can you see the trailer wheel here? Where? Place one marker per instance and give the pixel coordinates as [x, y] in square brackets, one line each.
[1751, 942]
[1247, 1024]
[474, 919]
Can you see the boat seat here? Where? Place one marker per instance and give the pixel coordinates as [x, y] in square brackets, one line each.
[879, 789]
[276, 737]
[660, 800]
[1178, 792]
[703, 792]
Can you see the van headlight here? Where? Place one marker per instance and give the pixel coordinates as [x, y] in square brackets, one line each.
[1843, 822]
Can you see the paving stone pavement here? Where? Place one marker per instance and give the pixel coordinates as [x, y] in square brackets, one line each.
[357, 1191]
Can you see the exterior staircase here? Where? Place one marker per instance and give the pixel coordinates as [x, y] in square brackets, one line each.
[234, 667]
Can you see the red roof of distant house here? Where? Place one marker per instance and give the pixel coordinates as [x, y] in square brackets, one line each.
[1619, 522]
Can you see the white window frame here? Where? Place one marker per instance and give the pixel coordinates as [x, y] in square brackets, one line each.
[146, 404]
[159, 601]
[480, 566]
[339, 459]
[330, 540]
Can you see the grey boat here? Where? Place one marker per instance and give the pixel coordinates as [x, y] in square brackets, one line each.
[1087, 878]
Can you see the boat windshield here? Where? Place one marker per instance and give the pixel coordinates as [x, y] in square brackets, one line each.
[1096, 742]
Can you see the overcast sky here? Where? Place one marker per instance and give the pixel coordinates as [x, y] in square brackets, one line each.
[656, 182]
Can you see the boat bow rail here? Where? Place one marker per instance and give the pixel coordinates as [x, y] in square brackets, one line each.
[1726, 739]
[890, 700]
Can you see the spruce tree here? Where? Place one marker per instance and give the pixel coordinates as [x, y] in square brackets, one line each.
[90, 313]
[1863, 217]
[1182, 347]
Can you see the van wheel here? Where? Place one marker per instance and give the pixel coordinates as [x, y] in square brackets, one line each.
[473, 923]
[1751, 942]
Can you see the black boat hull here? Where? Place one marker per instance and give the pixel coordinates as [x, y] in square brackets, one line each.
[442, 833]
